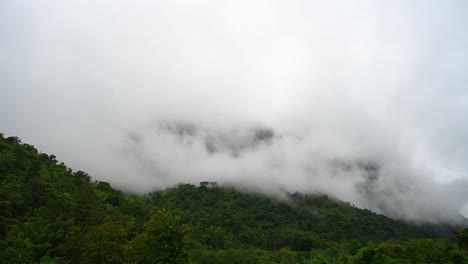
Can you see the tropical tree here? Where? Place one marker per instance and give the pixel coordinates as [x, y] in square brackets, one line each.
[105, 244]
[163, 240]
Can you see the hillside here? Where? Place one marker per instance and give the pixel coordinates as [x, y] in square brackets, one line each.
[51, 214]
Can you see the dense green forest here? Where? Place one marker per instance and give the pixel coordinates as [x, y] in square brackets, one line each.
[52, 214]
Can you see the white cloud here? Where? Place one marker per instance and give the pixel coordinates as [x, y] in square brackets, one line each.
[356, 80]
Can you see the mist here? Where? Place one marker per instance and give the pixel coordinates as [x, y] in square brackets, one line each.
[363, 100]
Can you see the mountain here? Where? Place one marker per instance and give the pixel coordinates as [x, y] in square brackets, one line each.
[381, 178]
[51, 214]
[233, 141]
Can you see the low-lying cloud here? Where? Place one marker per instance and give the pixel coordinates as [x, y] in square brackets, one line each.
[256, 158]
[363, 100]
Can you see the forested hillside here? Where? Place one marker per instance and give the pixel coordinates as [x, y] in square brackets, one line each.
[51, 214]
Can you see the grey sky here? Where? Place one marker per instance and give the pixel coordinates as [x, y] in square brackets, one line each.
[383, 81]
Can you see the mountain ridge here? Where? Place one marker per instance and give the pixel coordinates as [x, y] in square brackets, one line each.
[51, 214]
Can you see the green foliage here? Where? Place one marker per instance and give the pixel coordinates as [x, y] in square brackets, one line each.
[163, 240]
[462, 238]
[105, 243]
[413, 251]
[50, 214]
[224, 218]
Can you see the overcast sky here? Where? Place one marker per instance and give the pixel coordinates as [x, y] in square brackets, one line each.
[380, 81]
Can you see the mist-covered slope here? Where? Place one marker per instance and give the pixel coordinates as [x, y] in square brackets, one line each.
[259, 158]
[299, 221]
[50, 214]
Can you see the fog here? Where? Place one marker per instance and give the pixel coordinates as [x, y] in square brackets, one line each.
[363, 100]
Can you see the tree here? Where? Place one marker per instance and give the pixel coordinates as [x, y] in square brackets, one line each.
[462, 238]
[287, 256]
[163, 240]
[105, 244]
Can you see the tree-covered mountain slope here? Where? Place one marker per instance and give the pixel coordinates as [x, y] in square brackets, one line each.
[51, 214]
[301, 222]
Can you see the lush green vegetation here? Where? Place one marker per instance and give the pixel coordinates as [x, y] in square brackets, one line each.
[50, 214]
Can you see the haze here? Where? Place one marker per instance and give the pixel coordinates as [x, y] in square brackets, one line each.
[344, 85]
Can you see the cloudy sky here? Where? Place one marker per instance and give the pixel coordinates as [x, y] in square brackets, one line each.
[381, 82]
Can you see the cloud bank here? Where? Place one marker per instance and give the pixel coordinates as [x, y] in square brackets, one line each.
[365, 100]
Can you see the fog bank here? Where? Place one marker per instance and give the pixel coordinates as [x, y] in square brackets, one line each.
[363, 100]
